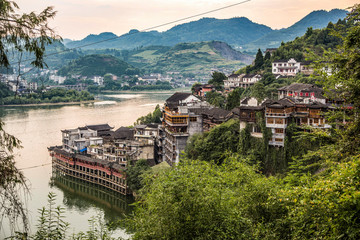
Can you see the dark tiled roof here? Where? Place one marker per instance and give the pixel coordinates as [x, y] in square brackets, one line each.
[124, 133]
[249, 75]
[233, 75]
[281, 103]
[178, 96]
[280, 60]
[99, 127]
[217, 113]
[298, 87]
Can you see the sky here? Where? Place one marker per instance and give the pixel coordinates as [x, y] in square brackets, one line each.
[75, 19]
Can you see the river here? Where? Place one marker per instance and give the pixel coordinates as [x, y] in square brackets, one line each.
[39, 127]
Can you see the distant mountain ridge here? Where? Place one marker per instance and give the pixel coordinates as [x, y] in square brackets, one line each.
[316, 20]
[239, 31]
[232, 31]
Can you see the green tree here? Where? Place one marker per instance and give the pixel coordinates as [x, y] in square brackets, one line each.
[22, 32]
[199, 200]
[134, 174]
[215, 98]
[259, 60]
[217, 79]
[233, 99]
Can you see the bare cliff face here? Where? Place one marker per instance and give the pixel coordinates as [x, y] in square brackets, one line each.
[229, 53]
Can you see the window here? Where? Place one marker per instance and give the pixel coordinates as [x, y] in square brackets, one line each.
[193, 119]
[279, 140]
[279, 121]
[279, 130]
[270, 121]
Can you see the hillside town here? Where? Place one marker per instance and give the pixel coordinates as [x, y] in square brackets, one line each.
[101, 155]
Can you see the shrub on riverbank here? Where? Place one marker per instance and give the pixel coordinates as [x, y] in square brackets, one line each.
[56, 95]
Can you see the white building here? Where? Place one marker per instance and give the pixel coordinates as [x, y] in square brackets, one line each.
[286, 67]
[57, 79]
[98, 80]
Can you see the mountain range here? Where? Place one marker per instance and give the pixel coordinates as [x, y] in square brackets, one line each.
[238, 32]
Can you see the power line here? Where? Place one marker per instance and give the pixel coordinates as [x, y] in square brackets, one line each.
[36, 166]
[144, 30]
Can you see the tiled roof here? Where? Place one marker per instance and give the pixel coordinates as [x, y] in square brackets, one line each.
[281, 60]
[99, 127]
[298, 87]
[178, 96]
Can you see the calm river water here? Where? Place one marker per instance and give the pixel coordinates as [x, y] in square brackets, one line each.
[39, 128]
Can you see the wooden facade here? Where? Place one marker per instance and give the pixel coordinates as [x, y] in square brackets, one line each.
[102, 173]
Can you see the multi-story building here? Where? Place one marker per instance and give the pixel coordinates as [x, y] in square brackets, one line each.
[291, 67]
[286, 67]
[247, 113]
[240, 80]
[233, 81]
[279, 113]
[302, 91]
[179, 122]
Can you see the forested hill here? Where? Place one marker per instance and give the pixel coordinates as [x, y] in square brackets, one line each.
[316, 20]
[235, 31]
[238, 31]
[98, 65]
[188, 57]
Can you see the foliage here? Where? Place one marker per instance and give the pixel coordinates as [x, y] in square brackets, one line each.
[214, 145]
[51, 224]
[259, 60]
[134, 174]
[98, 65]
[217, 79]
[200, 200]
[55, 95]
[215, 98]
[153, 117]
[12, 182]
[233, 98]
[26, 32]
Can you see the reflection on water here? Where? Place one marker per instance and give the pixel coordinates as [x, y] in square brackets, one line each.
[82, 196]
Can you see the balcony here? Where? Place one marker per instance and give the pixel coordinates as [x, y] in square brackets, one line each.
[176, 124]
[276, 125]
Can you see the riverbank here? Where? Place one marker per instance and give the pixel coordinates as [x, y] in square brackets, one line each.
[49, 104]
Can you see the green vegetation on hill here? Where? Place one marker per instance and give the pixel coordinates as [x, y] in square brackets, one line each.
[316, 20]
[56, 95]
[235, 31]
[191, 57]
[98, 65]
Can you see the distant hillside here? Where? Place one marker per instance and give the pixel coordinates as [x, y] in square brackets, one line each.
[235, 31]
[240, 32]
[316, 20]
[98, 65]
[188, 57]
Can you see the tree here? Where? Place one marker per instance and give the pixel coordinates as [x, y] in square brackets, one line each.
[259, 60]
[217, 79]
[233, 99]
[267, 55]
[134, 172]
[29, 33]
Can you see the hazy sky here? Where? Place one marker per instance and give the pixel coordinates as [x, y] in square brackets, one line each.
[76, 19]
